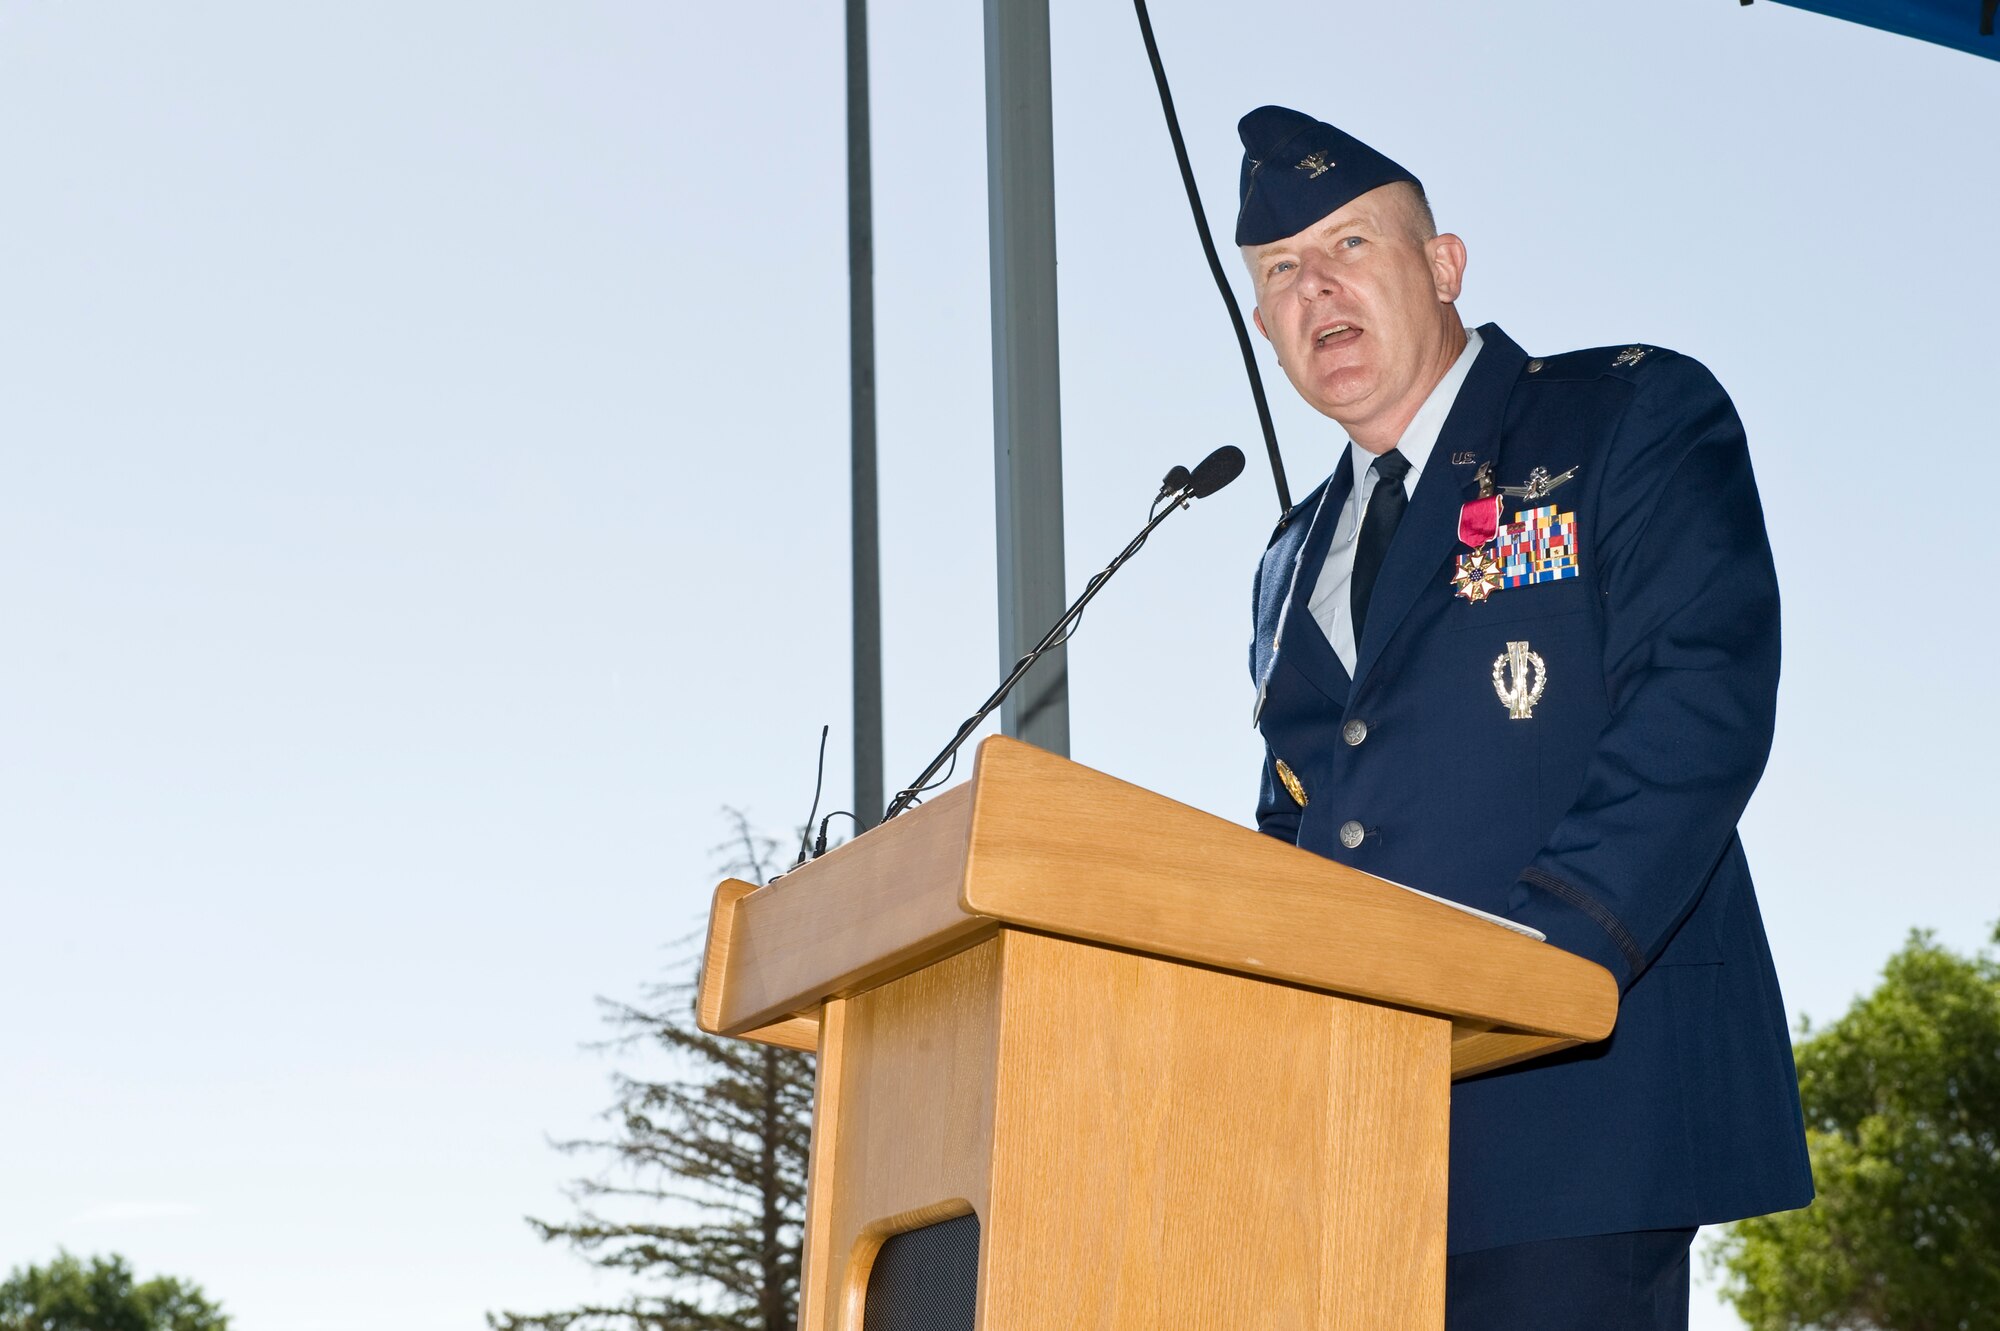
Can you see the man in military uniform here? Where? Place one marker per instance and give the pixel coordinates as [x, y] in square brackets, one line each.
[1520, 649]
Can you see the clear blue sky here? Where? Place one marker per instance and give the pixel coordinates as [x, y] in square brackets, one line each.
[423, 504]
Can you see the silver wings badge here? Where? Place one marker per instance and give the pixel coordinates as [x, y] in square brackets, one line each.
[1539, 484]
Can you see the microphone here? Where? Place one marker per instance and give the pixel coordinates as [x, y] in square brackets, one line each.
[1177, 491]
[1216, 470]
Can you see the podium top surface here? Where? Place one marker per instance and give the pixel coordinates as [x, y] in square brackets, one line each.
[1034, 841]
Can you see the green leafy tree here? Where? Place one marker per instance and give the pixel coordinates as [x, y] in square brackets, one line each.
[67, 1295]
[702, 1194]
[1902, 1105]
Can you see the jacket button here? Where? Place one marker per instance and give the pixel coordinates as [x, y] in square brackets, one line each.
[1352, 833]
[1354, 731]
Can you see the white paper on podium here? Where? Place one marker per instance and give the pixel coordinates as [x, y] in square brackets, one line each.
[1487, 916]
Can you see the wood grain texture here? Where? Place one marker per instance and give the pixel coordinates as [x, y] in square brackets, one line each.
[818, 1267]
[799, 1032]
[1066, 850]
[906, 1094]
[1388, 1169]
[1184, 1074]
[715, 954]
[1474, 1052]
[881, 906]
[1182, 1147]
[1037, 841]
[1146, 1144]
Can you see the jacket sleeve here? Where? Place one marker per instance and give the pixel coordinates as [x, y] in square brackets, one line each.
[1690, 672]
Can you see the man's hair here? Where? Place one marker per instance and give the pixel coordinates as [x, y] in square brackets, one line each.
[1423, 226]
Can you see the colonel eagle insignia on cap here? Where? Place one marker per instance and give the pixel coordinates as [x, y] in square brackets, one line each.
[1333, 169]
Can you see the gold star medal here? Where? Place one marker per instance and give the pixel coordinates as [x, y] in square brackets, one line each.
[1478, 573]
[1478, 576]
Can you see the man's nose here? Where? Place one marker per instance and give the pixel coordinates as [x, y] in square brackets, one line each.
[1316, 278]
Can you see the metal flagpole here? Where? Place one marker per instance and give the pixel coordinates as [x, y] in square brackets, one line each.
[868, 796]
[1027, 420]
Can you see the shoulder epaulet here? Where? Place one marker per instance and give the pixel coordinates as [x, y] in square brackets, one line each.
[1293, 514]
[1623, 362]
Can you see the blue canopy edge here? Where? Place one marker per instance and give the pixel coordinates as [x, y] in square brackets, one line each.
[1964, 24]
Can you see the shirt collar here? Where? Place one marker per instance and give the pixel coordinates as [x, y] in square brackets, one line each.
[1421, 435]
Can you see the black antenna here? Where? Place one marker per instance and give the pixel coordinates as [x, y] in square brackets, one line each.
[805, 833]
[1215, 263]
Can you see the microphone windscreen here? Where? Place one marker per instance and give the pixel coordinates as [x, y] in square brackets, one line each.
[1216, 470]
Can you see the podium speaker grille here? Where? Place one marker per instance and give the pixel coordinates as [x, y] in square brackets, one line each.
[925, 1279]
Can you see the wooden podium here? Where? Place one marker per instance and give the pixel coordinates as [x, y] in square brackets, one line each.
[1091, 1058]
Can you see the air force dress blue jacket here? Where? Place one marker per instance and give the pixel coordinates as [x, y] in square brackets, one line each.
[1607, 817]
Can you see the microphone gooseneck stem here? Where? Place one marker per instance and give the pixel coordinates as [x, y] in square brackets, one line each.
[908, 795]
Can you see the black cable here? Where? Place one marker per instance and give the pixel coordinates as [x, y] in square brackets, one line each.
[819, 843]
[1152, 519]
[916, 793]
[1214, 262]
[805, 832]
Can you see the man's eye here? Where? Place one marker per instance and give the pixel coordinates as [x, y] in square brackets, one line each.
[1349, 242]
[1282, 265]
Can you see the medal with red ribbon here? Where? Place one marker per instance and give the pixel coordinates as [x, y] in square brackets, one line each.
[1477, 575]
[1478, 520]
[1538, 546]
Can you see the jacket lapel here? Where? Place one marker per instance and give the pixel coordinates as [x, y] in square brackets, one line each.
[1295, 621]
[1428, 532]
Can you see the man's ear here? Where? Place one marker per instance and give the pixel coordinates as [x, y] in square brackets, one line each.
[1447, 266]
[1257, 317]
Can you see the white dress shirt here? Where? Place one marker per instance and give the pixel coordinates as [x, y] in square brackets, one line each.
[1330, 601]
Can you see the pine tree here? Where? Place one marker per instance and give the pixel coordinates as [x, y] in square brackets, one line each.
[706, 1173]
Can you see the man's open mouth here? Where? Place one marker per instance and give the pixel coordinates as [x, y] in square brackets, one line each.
[1334, 334]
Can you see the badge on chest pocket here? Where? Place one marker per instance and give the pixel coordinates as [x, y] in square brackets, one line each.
[1519, 676]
